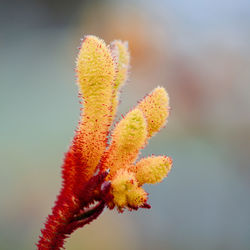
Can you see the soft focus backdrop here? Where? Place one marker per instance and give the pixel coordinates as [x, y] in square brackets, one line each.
[199, 50]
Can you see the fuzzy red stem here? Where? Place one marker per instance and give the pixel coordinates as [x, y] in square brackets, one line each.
[62, 222]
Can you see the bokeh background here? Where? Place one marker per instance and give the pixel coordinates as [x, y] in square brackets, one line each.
[199, 50]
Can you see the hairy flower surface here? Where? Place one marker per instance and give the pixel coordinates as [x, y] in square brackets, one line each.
[98, 173]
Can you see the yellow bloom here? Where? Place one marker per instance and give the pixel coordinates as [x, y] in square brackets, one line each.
[126, 183]
[121, 57]
[127, 139]
[152, 169]
[101, 72]
[126, 191]
[96, 74]
[155, 107]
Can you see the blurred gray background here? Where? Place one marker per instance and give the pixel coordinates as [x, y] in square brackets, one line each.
[198, 50]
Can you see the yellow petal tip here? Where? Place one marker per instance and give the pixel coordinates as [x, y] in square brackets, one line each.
[155, 107]
[152, 169]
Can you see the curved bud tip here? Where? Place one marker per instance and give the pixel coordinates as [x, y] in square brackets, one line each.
[137, 197]
[155, 107]
[152, 169]
[95, 67]
[121, 56]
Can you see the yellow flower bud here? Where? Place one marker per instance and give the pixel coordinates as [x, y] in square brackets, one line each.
[121, 183]
[136, 197]
[155, 107]
[125, 190]
[127, 139]
[95, 70]
[152, 169]
[96, 74]
[120, 54]
[123, 180]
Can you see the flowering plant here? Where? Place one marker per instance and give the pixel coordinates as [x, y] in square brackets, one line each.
[98, 173]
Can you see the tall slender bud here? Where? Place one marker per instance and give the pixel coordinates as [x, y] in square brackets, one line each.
[121, 57]
[96, 74]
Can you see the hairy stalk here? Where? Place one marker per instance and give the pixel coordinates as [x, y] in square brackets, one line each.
[57, 229]
[70, 213]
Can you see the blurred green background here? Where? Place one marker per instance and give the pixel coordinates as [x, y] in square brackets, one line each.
[198, 50]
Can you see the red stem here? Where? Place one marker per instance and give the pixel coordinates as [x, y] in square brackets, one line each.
[63, 221]
[70, 213]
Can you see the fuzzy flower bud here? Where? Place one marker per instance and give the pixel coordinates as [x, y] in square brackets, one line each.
[127, 139]
[96, 74]
[155, 107]
[126, 192]
[152, 169]
[121, 57]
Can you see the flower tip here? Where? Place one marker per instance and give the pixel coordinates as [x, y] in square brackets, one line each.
[95, 66]
[152, 169]
[155, 108]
